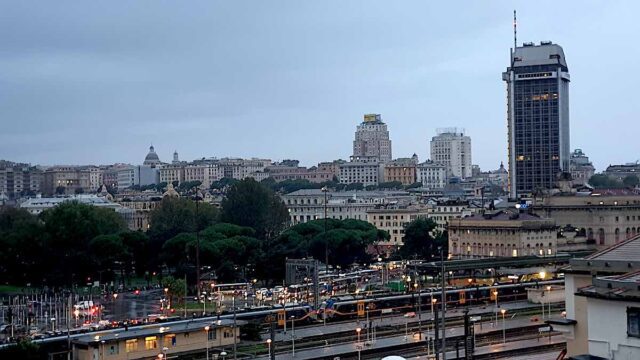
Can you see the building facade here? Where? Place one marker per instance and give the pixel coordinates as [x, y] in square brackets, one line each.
[362, 170]
[152, 158]
[394, 219]
[372, 139]
[607, 216]
[538, 117]
[171, 342]
[432, 175]
[309, 204]
[621, 171]
[603, 303]
[580, 167]
[140, 175]
[502, 234]
[401, 170]
[17, 180]
[171, 173]
[452, 148]
[66, 180]
[205, 172]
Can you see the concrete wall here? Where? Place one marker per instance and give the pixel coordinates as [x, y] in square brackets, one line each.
[576, 307]
[608, 331]
[542, 295]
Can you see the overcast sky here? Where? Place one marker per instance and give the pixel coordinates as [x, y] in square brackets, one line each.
[96, 82]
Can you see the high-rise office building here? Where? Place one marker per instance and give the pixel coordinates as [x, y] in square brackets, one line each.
[372, 139]
[452, 148]
[538, 117]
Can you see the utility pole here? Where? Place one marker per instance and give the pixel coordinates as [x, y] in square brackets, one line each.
[444, 306]
[326, 241]
[197, 248]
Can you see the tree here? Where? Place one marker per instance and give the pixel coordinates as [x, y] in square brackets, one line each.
[251, 204]
[137, 244]
[631, 181]
[107, 250]
[21, 244]
[175, 289]
[347, 242]
[603, 181]
[355, 186]
[24, 350]
[177, 215]
[415, 185]
[422, 240]
[390, 185]
[223, 183]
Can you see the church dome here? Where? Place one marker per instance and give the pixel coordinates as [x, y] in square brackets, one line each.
[151, 158]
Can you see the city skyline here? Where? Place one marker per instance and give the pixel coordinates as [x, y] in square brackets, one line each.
[80, 89]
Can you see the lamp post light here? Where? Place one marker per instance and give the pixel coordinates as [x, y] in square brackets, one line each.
[223, 354]
[504, 331]
[206, 330]
[358, 346]
[549, 301]
[495, 295]
[269, 346]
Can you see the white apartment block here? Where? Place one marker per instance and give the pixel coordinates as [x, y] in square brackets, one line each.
[432, 175]
[364, 170]
[453, 149]
[171, 173]
[206, 173]
[137, 175]
[393, 220]
[309, 204]
[95, 178]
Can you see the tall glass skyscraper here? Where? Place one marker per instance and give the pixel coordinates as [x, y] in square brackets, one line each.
[538, 117]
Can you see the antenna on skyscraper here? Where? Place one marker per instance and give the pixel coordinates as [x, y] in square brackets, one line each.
[515, 31]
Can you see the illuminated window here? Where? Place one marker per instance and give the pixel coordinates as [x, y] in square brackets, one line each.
[514, 253]
[132, 345]
[520, 158]
[151, 342]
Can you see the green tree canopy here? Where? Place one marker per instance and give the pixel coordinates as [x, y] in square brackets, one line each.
[631, 181]
[603, 181]
[422, 240]
[251, 204]
[106, 250]
[177, 215]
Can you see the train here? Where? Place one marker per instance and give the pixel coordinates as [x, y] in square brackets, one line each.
[348, 307]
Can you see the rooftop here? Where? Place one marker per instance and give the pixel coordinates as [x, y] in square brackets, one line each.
[173, 328]
[544, 54]
[622, 257]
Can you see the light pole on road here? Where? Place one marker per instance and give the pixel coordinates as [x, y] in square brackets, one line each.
[504, 331]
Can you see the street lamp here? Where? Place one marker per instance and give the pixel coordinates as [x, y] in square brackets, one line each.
[206, 329]
[223, 354]
[269, 345]
[293, 337]
[324, 233]
[549, 301]
[115, 296]
[495, 295]
[358, 343]
[76, 312]
[504, 332]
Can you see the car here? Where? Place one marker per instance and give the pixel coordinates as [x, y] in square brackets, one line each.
[410, 314]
